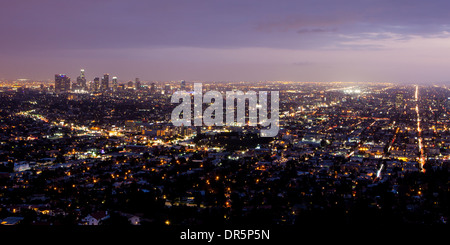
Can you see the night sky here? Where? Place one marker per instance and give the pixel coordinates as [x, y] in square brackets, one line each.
[228, 40]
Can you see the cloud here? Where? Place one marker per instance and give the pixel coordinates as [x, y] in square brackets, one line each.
[244, 35]
[316, 30]
[51, 24]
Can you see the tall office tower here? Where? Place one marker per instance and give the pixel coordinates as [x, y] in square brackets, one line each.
[81, 82]
[62, 83]
[75, 86]
[183, 85]
[90, 85]
[137, 84]
[105, 82]
[153, 88]
[96, 84]
[167, 89]
[114, 83]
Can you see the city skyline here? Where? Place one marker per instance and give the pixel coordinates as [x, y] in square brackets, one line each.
[350, 41]
[225, 120]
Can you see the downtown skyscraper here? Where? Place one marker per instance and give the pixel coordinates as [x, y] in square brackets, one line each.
[114, 83]
[105, 83]
[137, 83]
[81, 82]
[96, 84]
[62, 83]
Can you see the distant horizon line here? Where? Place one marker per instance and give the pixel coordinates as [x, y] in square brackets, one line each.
[29, 80]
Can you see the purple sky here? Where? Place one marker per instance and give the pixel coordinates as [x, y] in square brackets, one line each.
[228, 40]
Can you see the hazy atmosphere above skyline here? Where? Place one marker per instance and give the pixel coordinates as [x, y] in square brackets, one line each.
[317, 40]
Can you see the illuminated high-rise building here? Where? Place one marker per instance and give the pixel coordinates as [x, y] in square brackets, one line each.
[114, 83]
[96, 86]
[62, 83]
[81, 82]
[105, 82]
[137, 84]
[183, 85]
